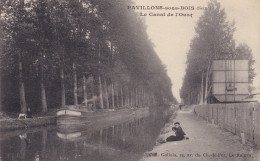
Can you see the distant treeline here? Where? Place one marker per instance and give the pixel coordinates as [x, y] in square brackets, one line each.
[62, 52]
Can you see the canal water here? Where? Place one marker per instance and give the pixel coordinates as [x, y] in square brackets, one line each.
[124, 141]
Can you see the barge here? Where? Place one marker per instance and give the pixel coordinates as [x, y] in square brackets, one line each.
[73, 119]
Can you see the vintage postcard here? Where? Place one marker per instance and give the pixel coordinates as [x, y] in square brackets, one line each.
[129, 80]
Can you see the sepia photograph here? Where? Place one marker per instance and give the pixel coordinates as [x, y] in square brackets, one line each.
[129, 80]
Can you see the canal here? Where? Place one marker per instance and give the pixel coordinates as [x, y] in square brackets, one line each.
[122, 141]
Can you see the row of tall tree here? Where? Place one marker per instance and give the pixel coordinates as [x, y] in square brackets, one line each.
[60, 52]
[213, 40]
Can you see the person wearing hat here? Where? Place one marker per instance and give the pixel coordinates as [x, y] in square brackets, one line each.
[179, 133]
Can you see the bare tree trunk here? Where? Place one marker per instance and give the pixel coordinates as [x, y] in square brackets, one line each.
[85, 95]
[141, 97]
[132, 102]
[202, 84]
[0, 89]
[63, 98]
[198, 98]
[100, 93]
[75, 92]
[206, 87]
[136, 98]
[144, 97]
[99, 79]
[128, 96]
[150, 99]
[122, 98]
[133, 96]
[117, 102]
[106, 94]
[94, 102]
[93, 95]
[43, 93]
[112, 83]
[21, 88]
[113, 95]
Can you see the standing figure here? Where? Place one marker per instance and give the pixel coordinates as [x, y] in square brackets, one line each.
[29, 113]
[180, 106]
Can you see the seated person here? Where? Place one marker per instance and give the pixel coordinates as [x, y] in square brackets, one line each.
[178, 132]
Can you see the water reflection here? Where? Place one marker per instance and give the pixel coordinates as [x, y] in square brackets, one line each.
[122, 141]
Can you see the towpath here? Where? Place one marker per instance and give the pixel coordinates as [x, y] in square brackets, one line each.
[207, 142]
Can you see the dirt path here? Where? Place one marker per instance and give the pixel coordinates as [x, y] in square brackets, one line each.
[207, 142]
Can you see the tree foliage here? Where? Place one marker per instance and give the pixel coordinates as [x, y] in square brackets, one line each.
[84, 37]
[213, 40]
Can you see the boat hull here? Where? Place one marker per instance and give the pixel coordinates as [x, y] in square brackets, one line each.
[75, 120]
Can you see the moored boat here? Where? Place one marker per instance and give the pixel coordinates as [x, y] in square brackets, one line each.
[74, 119]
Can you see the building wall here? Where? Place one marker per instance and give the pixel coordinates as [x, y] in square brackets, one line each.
[230, 80]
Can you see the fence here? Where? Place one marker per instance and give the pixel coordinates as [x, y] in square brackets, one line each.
[242, 119]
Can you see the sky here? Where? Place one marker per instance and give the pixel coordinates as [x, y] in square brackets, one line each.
[172, 35]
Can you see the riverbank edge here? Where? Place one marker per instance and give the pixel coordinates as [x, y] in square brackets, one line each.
[11, 124]
[15, 124]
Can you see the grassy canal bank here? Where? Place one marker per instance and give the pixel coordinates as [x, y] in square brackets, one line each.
[11, 122]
